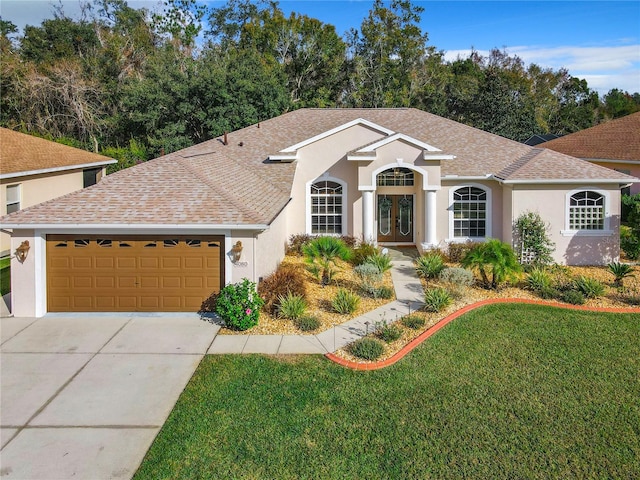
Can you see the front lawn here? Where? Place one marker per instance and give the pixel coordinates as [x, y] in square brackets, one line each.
[506, 391]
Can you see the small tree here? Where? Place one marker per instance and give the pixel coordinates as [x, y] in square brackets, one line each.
[322, 253]
[494, 260]
[532, 242]
[630, 234]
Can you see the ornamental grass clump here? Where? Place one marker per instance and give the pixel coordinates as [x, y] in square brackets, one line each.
[362, 251]
[307, 323]
[413, 321]
[589, 287]
[429, 265]
[291, 306]
[437, 299]
[345, 302]
[286, 279]
[366, 348]
[238, 304]
[388, 332]
[380, 260]
[539, 280]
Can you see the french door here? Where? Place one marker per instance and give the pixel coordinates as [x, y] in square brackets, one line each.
[395, 218]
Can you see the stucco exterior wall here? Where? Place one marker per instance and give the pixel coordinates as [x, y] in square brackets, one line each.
[572, 247]
[271, 246]
[632, 169]
[36, 189]
[27, 297]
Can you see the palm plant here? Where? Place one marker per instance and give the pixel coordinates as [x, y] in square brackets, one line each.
[620, 271]
[322, 252]
[494, 260]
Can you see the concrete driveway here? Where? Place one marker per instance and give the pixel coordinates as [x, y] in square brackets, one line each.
[84, 397]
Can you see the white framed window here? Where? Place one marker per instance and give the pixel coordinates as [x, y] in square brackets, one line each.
[469, 212]
[13, 198]
[326, 207]
[586, 210]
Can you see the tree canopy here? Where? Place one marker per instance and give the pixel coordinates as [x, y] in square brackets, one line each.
[134, 85]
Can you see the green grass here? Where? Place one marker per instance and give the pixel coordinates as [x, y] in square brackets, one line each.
[5, 275]
[503, 392]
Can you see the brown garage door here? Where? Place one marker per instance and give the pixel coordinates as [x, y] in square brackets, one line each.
[132, 273]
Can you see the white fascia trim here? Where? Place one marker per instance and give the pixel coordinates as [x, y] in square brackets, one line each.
[363, 158]
[357, 121]
[427, 156]
[55, 169]
[127, 228]
[488, 176]
[398, 136]
[608, 160]
[283, 158]
[565, 182]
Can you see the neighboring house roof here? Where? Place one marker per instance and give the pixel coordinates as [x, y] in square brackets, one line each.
[237, 185]
[617, 139]
[534, 140]
[22, 154]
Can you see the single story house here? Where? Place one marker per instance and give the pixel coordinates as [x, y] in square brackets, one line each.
[34, 170]
[163, 235]
[614, 144]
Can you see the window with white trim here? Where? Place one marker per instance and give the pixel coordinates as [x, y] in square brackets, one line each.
[13, 198]
[469, 212]
[326, 207]
[586, 211]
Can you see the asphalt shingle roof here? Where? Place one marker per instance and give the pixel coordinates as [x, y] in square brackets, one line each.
[20, 152]
[617, 139]
[217, 184]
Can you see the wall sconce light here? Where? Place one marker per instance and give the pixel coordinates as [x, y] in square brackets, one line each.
[22, 251]
[236, 251]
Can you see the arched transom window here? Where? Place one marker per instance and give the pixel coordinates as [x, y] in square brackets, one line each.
[326, 207]
[395, 177]
[469, 212]
[586, 211]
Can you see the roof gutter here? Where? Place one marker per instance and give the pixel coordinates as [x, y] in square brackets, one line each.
[559, 181]
[4, 176]
[135, 226]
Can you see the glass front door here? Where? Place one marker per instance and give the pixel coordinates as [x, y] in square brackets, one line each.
[395, 218]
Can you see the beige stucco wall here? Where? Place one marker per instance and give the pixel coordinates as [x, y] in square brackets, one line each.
[572, 248]
[271, 246]
[36, 189]
[27, 296]
[632, 169]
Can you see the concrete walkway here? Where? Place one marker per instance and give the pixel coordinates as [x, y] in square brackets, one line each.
[409, 294]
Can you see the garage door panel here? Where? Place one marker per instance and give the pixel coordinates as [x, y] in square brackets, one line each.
[132, 273]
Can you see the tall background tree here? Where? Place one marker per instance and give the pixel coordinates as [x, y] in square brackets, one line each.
[135, 84]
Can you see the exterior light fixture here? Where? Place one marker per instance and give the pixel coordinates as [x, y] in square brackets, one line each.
[22, 251]
[236, 251]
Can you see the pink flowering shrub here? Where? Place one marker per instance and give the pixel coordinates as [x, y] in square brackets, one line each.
[239, 305]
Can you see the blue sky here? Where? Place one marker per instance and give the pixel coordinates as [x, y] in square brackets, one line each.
[595, 40]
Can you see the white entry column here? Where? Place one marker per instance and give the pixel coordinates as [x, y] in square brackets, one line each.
[367, 216]
[430, 219]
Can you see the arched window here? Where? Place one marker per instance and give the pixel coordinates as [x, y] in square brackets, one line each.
[326, 207]
[470, 212]
[395, 177]
[586, 211]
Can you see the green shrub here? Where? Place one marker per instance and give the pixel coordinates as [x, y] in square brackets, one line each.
[629, 243]
[368, 273]
[549, 293]
[286, 279]
[538, 280]
[436, 299]
[620, 271]
[383, 292]
[457, 251]
[307, 323]
[388, 332]
[345, 302]
[291, 306]
[458, 276]
[238, 304]
[429, 265]
[349, 241]
[589, 287]
[362, 251]
[383, 262]
[296, 242]
[532, 241]
[573, 297]
[366, 348]
[413, 321]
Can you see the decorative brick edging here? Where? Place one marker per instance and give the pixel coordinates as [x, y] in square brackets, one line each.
[446, 320]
